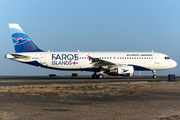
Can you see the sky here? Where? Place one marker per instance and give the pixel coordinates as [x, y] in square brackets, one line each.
[91, 25]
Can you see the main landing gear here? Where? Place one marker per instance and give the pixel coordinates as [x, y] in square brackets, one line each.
[100, 76]
[154, 74]
[95, 76]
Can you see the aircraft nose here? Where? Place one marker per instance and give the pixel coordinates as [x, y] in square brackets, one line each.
[173, 64]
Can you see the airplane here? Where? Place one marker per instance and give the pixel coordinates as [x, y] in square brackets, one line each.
[111, 63]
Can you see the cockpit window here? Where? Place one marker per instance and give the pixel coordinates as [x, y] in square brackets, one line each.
[166, 58]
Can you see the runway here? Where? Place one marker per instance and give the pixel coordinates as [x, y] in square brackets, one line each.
[31, 80]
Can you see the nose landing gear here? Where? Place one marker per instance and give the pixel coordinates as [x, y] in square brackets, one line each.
[154, 74]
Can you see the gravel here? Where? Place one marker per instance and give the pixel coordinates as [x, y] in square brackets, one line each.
[120, 101]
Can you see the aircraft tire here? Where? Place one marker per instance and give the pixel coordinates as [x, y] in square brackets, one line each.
[94, 76]
[100, 76]
[154, 76]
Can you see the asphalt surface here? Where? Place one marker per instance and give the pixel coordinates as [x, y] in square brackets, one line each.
[123, 101]
[116, 101]
[31, 80]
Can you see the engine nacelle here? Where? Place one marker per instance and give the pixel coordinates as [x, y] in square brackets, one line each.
[122, 71]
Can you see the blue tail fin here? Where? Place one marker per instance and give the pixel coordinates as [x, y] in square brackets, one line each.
[21, 42]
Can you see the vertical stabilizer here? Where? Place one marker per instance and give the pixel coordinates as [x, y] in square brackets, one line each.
[21, 42]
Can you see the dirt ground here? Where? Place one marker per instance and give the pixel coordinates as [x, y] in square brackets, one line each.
[91, 101]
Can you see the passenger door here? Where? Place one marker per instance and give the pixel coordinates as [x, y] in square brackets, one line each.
[156, 59]
[43, 59]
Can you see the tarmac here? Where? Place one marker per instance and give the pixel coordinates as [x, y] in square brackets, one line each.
[31, 80]
[91, 101]
[83, 98]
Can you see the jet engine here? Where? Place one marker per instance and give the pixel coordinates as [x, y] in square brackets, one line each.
[121, 71]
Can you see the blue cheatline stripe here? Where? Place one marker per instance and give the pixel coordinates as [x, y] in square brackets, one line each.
[136, 67]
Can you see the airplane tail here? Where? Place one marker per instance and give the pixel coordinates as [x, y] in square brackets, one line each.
[21, 42]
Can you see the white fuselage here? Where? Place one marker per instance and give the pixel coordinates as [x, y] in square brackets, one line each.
[80, 60]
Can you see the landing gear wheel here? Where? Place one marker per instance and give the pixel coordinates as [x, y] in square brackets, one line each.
[100, 76]
[94, 76]
[154, 76]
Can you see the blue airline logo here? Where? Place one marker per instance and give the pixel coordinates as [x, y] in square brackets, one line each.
[64, 59]
[20, 41]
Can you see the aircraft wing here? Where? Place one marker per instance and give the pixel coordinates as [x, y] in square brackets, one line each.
[99, 62]
[103, 63]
